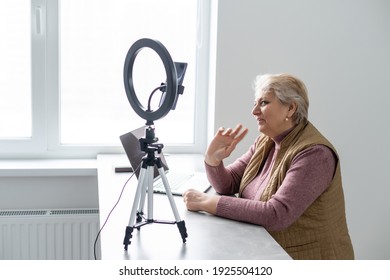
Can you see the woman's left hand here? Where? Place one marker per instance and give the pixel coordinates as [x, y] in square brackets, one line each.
[199, 201]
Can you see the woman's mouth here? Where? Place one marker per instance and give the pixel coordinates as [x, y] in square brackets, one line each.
[260, 121]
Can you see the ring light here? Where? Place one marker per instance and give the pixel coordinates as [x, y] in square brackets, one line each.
[171, 80]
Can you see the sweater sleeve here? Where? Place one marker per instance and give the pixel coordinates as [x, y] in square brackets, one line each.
[309, 175]
[226, 180]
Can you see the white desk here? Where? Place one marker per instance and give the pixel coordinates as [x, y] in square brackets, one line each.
[209, 237]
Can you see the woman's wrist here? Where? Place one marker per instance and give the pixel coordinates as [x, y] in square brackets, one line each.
[211, 203]
[212, 161]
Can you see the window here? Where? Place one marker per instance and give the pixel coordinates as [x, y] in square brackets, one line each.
[15, 69]
[71, 88]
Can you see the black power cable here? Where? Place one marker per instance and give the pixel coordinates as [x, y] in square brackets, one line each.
[109, 214]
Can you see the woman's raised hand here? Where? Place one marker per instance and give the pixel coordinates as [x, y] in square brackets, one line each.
[223, 144]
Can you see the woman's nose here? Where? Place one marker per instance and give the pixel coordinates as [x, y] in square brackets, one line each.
[255, 110]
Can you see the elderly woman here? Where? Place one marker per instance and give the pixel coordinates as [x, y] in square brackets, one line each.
[289, 181]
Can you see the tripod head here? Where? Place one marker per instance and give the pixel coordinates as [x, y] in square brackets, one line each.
[149, 143]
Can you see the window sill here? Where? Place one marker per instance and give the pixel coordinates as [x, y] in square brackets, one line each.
[48, 167]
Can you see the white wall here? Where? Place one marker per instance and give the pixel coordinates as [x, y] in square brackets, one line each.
[341, 50]
[46, 192]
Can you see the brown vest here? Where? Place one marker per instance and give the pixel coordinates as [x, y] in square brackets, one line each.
[321, 231]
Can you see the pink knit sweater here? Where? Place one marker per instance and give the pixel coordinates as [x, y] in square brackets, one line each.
[310, 173]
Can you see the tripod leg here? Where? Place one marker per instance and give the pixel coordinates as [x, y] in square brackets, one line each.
[129, 228]
[183, 231]
[150, 172]
[180, 223]
[128, 236]
[143, 196]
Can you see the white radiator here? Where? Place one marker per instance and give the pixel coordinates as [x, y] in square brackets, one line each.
[55, 234]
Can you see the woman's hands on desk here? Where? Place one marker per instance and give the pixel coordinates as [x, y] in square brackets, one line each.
[199, 201]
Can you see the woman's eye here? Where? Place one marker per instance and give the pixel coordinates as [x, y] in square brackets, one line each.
[263, 103]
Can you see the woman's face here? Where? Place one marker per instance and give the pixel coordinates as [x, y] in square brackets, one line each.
[271, 114]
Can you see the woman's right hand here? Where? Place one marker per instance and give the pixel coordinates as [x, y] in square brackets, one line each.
[223, 144]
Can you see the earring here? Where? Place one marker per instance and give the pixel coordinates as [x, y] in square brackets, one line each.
[286, 119]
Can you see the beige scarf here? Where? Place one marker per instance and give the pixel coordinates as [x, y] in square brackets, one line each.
[263, 147]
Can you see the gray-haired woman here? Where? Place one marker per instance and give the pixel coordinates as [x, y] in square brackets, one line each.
[289, 181]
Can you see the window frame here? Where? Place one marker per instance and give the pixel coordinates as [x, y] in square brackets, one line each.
[45, 91]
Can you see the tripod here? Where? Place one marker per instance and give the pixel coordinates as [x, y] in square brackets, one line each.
[145, 186]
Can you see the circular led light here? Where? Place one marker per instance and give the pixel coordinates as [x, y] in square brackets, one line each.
[171, 81]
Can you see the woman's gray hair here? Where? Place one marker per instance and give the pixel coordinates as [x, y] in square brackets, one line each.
[288, 89]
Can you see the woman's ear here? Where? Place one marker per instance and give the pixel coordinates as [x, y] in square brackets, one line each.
[292, 109]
